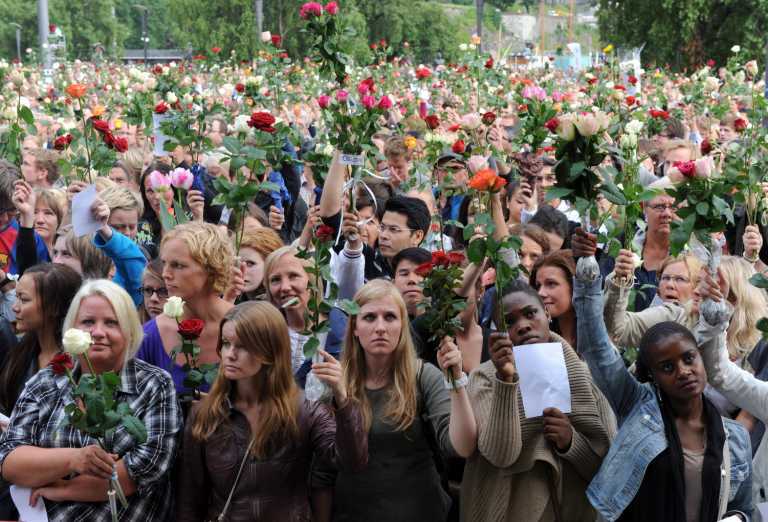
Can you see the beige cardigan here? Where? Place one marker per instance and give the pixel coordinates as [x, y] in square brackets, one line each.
[506, 480]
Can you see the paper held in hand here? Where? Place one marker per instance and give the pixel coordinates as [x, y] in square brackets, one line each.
[543, 378]
[28, 513]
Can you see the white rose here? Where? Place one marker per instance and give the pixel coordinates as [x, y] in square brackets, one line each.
[740, 76]
[735, 49]
[634, 127]
[241, 123]
[711, 84]
[751, 68]
[76, 342]
[266, 37]
[328, 150]
[463, 47]
[628, 141]
[636, 260]
[170, 97]
[187, 99]
[565, 128]
[587, 124]
[609, 85]
[174, 307]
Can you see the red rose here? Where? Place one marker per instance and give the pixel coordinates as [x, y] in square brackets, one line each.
[423, 269]
[710, 63]
[109, 139]
[374, 46]
[199, 57]
[552, 124]
[62, 142]
[51, 28]
[522, 108]
[277, 40]
[455, 258]
[619, 88]
[157, 69]
[740, 125]
[383, 43]
[385, 102]
[458, 147]
[632, 80]
[121, 144]
[489, 63]
[489, 118]
[592, 81]
[331, 8]
[283, 55]
[422, 73]
[706, 147]
[325, 233]
[262, 121]
[190, 329]
[161, 108]
[61, 362]
[686, 168]
[439, 258]
[630, 100]
[432, 121]
[215, 50]
[657, 113]
[454, 128]
[100, 125]
[240, 87]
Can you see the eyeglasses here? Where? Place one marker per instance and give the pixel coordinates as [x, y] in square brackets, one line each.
[392, 229]
[662, 207]
[677, 280]
[161, 292]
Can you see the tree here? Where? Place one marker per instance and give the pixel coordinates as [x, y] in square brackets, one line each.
[684, 33]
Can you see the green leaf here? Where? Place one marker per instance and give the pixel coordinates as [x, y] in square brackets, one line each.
[166, 219]
[135, 428]
[26, 114]
[762, 325]
[348, 306]
[181, 215]
[476, 251]
[759, 280]
[557, 193]
[311, 346]
[111, 379]
[702, 208]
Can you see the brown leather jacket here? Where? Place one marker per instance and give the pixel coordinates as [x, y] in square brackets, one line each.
[273, 489]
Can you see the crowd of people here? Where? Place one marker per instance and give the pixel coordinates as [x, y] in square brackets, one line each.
[667, 407]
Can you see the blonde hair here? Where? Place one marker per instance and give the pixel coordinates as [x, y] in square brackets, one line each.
[691, 262]
[209, 248]
[121, 198]
[122, 305]
[103, 183]
[52, 199]
[263, 240]
[273, 260]
[263, 332]
[133, 160]
[680, 144]
[751, 302]
[401, 408]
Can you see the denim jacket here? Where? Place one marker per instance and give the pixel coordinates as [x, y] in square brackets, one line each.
[641, 436]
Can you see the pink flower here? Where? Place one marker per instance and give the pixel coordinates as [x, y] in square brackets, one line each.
[369, 102]
[363, 89]
[557, 96]
[385, 102]
[342, 95]
[159, 182]
[181, 178]
[332, 8]
[311, 10]
[533, 92]
[324, 101]
[704, 167]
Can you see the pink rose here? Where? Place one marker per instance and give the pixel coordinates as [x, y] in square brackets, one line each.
[158, 181]
[181, 178]
[477, 163]
[332, 8]
[342, 95]
[385, 102]
[533, 92]
[369, 102]
[704, 167]
[324, 101]
[311, 10]
[557, 96]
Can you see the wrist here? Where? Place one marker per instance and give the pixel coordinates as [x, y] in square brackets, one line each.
[751, 257]
[458, 382]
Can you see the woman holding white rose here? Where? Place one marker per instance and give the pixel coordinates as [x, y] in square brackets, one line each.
[197, 260]
[66, 467]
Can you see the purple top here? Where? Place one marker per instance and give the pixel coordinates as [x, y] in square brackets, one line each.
[153, 352]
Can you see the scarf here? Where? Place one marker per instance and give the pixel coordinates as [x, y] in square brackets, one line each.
[661, 496]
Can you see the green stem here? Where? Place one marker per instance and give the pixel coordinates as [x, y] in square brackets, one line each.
[85, 137]
[88, 362]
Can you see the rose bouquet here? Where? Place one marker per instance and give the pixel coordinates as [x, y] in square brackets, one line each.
[326, 33]
[442, 278]
[196, 374]
[579, 153]
[95, 409]
[535, 111]
[323, 296]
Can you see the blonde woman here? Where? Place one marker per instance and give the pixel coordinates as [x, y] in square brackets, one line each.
[41, 213]
[65, 466]
[197, 260]
[407, 406]
[256, 420]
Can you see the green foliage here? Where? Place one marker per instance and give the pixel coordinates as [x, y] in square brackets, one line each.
[684, 33]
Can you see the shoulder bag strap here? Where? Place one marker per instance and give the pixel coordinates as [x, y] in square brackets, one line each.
[223, 514]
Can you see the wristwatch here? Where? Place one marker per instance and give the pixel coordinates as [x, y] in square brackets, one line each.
[461, 382]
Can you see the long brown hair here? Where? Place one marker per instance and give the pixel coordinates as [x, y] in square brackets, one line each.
[262, 331]
[401, 396]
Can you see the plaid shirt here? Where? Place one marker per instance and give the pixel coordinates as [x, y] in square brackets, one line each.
[149, 391]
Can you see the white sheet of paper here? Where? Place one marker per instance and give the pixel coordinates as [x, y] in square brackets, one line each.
[27, 513]
[160, 137]
[763, 509]
[82, 219]
[543, 378]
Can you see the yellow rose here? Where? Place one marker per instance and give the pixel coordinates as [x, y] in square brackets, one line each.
[608, 48]
[118, 123]
[410, 142]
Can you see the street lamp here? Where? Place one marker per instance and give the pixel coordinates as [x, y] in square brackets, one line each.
[144, 36]
[18, 40]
